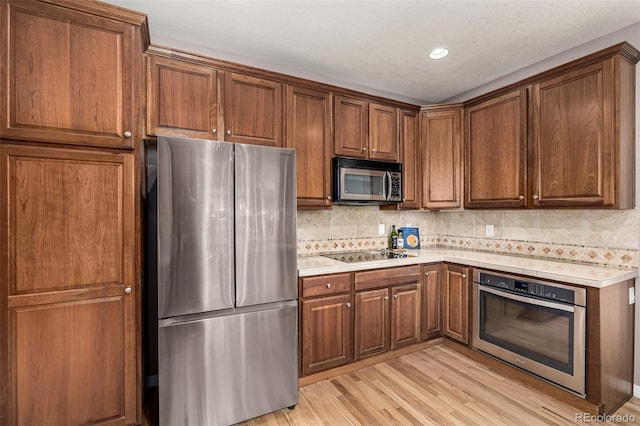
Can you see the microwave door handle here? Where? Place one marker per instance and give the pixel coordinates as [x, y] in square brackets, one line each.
[386, 188]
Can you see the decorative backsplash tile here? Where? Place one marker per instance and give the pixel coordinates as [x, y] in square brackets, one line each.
[608, 238]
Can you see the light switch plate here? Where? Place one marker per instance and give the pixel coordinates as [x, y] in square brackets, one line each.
[632, 295]
[381, 229]
[488, 230]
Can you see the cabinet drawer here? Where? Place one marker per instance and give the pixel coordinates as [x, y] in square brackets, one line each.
[326, 284]
[387, 277]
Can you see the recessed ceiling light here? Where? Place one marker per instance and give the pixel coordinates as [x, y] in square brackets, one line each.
[439, 53]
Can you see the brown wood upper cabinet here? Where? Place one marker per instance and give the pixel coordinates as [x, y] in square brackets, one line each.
[441, 156]
[71, 76]
[308, 114]
[68, 304]
[253, 110]
[410, 158]
[456, 303]
[496, 152]
[584, 136]
[186, 98]
[364, 129]
[182, 99]
[579, 121]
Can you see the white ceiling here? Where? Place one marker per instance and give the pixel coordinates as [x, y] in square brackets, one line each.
[383, 45]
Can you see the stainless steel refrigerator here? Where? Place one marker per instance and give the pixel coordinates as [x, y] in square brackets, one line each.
[227, 281]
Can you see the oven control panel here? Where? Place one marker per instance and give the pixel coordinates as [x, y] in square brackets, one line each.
[545, 291]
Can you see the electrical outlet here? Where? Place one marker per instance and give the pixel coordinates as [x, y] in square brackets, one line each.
[632, 295]
[488, 230]
[381, 229]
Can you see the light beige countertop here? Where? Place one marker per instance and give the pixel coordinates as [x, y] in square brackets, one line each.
[588, 275]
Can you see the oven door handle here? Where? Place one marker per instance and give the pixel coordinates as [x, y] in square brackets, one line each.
[529, 300]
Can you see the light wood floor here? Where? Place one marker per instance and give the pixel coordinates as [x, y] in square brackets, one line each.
[436, 385]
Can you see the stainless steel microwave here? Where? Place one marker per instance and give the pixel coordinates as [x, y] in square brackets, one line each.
[357, 181]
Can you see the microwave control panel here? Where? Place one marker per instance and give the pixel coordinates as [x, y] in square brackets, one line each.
[395, 192]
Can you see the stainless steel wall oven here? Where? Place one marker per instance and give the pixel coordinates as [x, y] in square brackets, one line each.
[537, 326]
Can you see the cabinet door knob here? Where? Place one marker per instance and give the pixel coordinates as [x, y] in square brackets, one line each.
[386, 298]
[364, 148]
[127, 134]
[520, 197]
[328, 285]
[348, 304]
[404, 200]
[464, 275]
[535, 197]
[329, 197]
[127, 290]
[374, 150]
[229, 132]
[395, 296]
[214, 130]
[426, 274]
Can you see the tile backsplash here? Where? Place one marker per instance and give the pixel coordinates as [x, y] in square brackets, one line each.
[610, 238]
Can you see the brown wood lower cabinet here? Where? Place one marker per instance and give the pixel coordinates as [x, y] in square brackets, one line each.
[405, 315]
[387, 316]
[432, 301]
[456, 302]
[327, 338]
[371, 328]
[68, 345]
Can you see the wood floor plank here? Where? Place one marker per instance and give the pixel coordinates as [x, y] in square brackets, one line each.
[436, 385]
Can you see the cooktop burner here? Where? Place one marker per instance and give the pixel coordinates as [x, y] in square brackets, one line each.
[365, 255]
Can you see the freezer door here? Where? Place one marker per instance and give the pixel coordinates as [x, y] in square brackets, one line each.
[195, 226]
[227, 369]
[266, 263]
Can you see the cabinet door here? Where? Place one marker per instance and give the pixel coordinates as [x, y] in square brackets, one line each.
[441, 146]
[371, 328]
[496, 155]
[432, 302]
[456, 303]
[327, 328]
[253, 110]
[309, 132]
[70, 76]
[182, 99]
[405, 315]
[350, 127]
[410, 158]
[573, 138]
[67, 287]
[383, 132]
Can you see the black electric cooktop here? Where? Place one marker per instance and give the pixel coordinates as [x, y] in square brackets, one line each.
[366, 255]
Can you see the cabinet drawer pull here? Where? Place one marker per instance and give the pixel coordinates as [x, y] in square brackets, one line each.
[348, 304]
[328, 285]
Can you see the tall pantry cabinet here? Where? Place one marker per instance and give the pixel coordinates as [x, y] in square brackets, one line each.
[69, 237]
